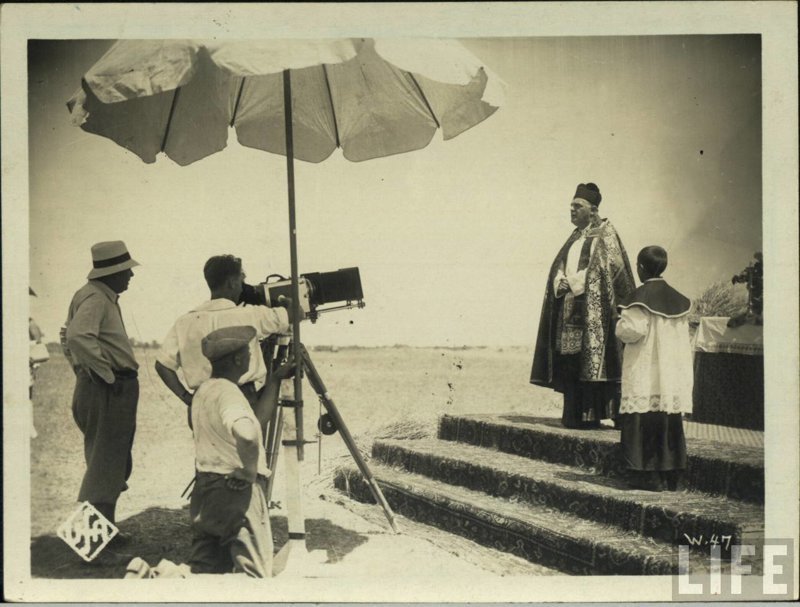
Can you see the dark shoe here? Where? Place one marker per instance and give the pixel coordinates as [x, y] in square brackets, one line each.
[107, 558]
[646, 481]
[671, 479]
[120, 540]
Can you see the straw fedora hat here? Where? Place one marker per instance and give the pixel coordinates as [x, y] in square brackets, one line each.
[109, 258]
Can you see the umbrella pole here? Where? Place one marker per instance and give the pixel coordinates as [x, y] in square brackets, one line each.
[293, 485]
[298, 358]
[293, 429]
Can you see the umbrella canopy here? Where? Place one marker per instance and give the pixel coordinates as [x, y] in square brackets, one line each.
[301, 98]
[372, 98]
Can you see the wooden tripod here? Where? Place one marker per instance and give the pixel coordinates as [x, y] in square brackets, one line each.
[279, 427]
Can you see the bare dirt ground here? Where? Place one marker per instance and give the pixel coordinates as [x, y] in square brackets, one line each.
[386, 392]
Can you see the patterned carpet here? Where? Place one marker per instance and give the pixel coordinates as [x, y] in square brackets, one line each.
[666, 516]
[725, 434]
[561, 498]
[535, 532]
[734, 470]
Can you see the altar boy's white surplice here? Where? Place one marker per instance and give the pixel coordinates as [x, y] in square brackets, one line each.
[657, 373]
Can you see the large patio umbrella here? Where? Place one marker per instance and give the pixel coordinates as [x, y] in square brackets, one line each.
[299, 98]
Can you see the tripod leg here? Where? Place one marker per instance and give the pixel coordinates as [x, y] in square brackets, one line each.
[294, 559]
[275, 430]
[273, 353]
[293, 485]
[294, 503]
[319, 388]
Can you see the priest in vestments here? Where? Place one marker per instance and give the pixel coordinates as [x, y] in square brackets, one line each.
[577, 353]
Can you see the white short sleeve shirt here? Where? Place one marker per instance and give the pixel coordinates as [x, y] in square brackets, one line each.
[216, 406]
[181, 347]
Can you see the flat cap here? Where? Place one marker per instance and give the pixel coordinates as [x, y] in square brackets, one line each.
[225, 341]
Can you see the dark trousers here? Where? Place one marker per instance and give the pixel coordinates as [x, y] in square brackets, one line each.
[653, 441]
[106, 415]
[585, 402]
[230, 529]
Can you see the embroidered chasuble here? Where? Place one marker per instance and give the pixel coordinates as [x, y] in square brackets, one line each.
[584, 324]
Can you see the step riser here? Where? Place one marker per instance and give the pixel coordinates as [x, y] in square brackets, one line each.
[731, 479]
[534, 544]
[650, 520]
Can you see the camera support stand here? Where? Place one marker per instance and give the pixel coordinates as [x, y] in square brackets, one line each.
[287, 428]
[338, 421]
[303, 362]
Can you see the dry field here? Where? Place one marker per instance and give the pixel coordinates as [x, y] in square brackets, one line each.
[381, 392]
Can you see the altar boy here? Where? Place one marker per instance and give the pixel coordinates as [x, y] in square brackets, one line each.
[657, 376]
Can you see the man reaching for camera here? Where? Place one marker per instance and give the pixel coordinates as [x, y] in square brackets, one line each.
[182, 345]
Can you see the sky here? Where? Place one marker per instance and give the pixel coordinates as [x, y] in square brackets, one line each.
[453, 242]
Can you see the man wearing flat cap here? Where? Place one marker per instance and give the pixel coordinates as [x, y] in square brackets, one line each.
[577, 352]
[106, 385]
[181, 349]
[230, 522]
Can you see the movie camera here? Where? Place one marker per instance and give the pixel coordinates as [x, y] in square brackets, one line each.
[315, 289]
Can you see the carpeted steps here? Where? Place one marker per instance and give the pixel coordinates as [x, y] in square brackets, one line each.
[736, 472]
[667, 516]
[535, 532]
[558, 496]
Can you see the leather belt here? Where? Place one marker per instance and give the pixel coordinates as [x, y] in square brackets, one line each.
[118, 373]
[259, 477]
[125, 373]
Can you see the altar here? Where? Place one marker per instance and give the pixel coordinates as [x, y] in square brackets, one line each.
[729, 374]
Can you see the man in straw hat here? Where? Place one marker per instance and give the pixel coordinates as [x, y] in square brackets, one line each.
[576, 351]
[106, 386]
[181, 347]
[230, 522]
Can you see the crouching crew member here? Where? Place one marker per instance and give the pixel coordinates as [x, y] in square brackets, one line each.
[657, 376]
[230, 522]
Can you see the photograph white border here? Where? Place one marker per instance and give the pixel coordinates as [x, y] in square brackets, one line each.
[774, 21]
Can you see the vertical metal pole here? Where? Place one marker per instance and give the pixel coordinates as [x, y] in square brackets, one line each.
[298, 356]
[292, 432]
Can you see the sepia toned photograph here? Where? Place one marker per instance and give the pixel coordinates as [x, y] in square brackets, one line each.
[342, 303]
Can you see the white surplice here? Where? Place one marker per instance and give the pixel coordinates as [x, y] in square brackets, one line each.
[657, 372]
